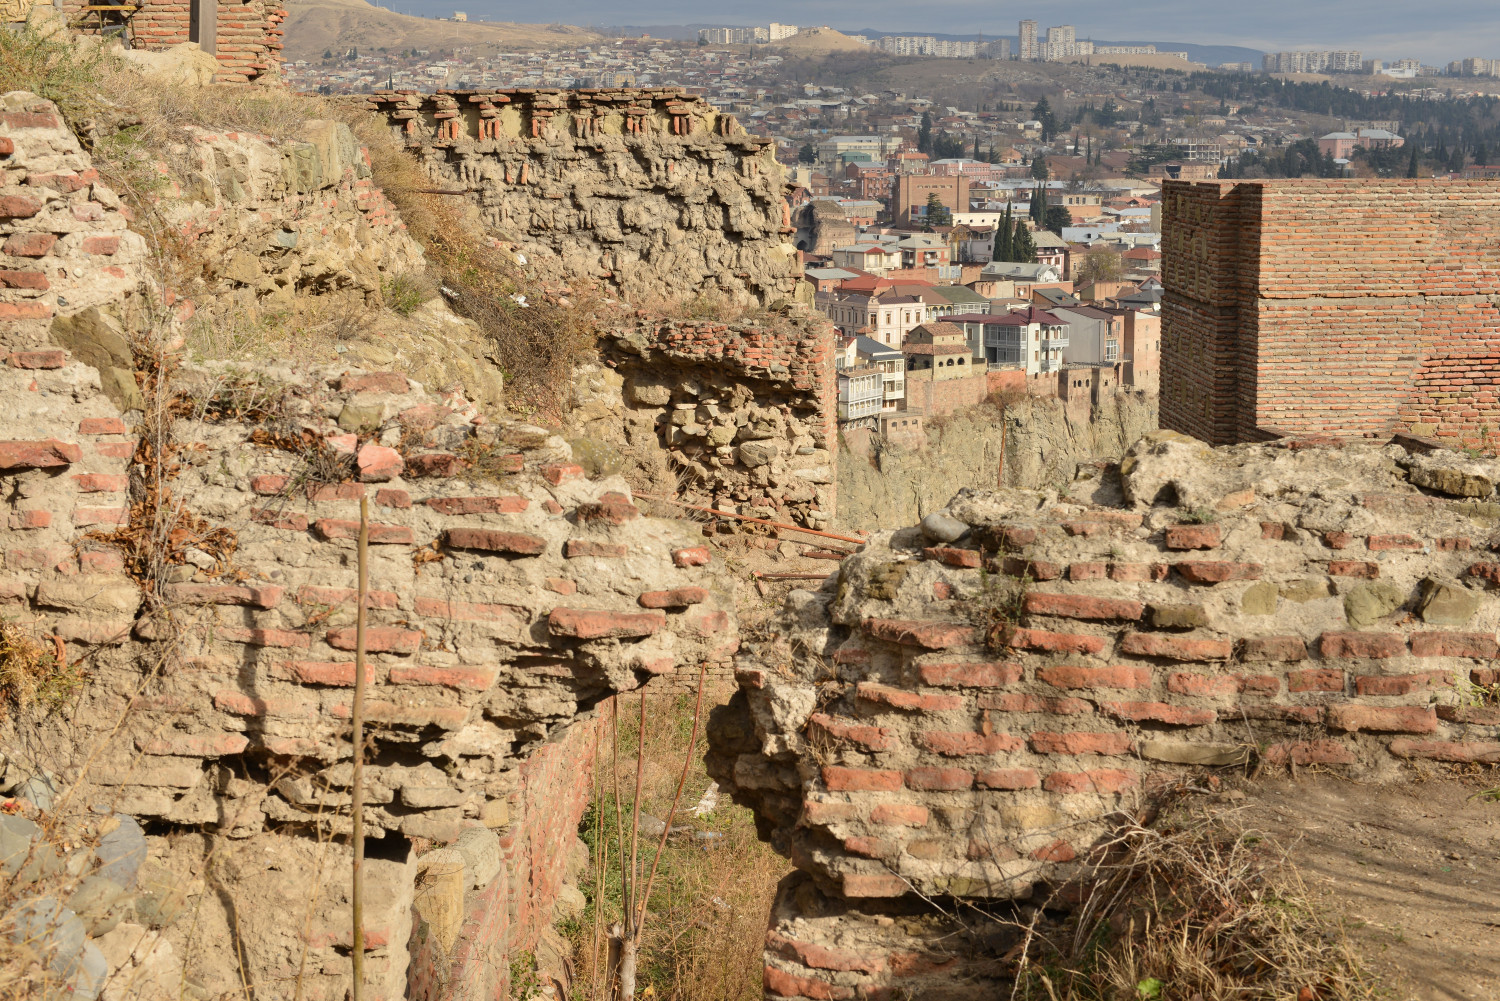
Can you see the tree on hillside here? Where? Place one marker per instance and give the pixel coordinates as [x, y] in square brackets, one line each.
[937, 212]
[1023, 247]
[976, 147]
[1039, 167]
[808, 153]
[1100, 266]
[1043, 113]
[1481, 155]
[924, 134]
[1038, 213]
[1057, 218]
[1411, 167]
[946, 147]
[1004, 236]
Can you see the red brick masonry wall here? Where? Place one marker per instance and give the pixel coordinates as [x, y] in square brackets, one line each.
[248, 35]
[1335, 306]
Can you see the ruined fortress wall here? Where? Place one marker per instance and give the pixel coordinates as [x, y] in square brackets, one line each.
[1339, 306]
[652, 192]
[964, 719]
[247, 34]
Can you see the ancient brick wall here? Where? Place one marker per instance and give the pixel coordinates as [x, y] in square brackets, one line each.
[1333, 306]
[934, 398]
[961, 718]
[248, 34]
[650, 191]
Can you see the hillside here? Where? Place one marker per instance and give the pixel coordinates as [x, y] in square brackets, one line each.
[812, 40]
[314, 26]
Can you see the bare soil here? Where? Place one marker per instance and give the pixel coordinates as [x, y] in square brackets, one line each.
[1414, 868]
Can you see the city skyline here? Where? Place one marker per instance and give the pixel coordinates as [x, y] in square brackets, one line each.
[1436, 32]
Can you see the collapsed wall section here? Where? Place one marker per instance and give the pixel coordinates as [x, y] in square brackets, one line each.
[1349, 307]
[966, 709]
[652, 192]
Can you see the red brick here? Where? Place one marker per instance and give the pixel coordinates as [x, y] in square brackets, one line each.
[696, 556]
[268, 485]
[240, 704]
[494, 541]
[1015, 536]
[1047, 642]
[1161, 712]
[100, 562]
[942, 591]
[575, 548]
[1193, 537]
[114, 449]
[556, 473]
[959, 743]
[1479, 646]
[41, 360]
[1384, 719]
[1476, 715]
[613, 509]
[1401, 684]
[899, 815]
[208, 745]
[1081, 743]
[1487, 751]
[393, 497]
[378, 639]
[598, 623]
[478, 505]
[259, 596]
[900, 698]
[1308, 752]
[434, 464]
[377, 464]
[561, 585]
[1317, 679]
[1337, 540]
[320, 492]
[510, 616]
[378, 534]
[373, 382]
[101, 483]
[1455, 544]
[939, 779]
[1008, 779]
[311, 595]
[1080, 606]
[1488, 571]
[821, 957]
[1273, 648]
[1100, 780]
[871, 738]
[25, 311]
[1087, 571]
[1072, 676]
[46, 454]
[1376, 543]
[1131, 573]
[277, 519]
[970, 675]
[1057, 851]
[860, 885]
[839, 779]
[1211, 572]
[19, 207]
[1354, 568]
[83, 516]
[916, 632]
[964, 559]
[1011, 702]
[29, 244]
[1036, 570]
[816, 812]
[1273, 530]
[1374, 646]
[34, 518]
[310, 672]
[678, 597]
[476, 679]
[1182, 683]
[33, 280]
[1174, 647]
[103, 246]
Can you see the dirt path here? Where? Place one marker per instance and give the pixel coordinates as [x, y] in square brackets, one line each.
[1415, 867]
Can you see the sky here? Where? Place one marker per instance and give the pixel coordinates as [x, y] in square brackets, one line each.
[1434, 31]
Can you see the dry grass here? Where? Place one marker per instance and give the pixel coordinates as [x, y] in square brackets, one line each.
[34, 670]
[706, 923]
[1198, 907]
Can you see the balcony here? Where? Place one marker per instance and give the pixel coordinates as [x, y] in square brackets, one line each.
[1059, 343]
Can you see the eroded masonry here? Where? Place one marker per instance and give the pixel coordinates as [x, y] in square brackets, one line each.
[966, 709]
[653, 192]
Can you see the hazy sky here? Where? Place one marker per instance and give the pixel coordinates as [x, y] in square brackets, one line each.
[1432, 30]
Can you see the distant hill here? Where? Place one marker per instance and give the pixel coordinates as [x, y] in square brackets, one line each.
[314, 26]
[821, 40]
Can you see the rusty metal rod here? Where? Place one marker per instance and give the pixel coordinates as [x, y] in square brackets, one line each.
[755, 521]
[792, 576]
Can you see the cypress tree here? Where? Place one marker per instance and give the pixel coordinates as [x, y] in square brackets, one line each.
[1039, 205]
[1003, 234]
[1411, 167]
[1023, 249]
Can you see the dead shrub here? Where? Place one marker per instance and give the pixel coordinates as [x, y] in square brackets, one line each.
[1196, 907]
[33, 670]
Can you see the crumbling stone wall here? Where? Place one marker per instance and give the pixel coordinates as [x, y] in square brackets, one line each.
[1331, 306]
[742, 413]
[962, 708]
[247, 34]
[652, 192]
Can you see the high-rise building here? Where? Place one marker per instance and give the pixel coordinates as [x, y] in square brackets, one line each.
[1061, 43]
[780, 31]
[1030, 51]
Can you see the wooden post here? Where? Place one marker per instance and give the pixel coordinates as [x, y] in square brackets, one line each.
[357, 810]
[203, 25]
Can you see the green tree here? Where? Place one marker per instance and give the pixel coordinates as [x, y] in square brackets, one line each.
[976, 147]
[924, 134]
[1057, 218]
[1100, 266]
[1039, 167]
[1411, 165]
[808, 153]
[1038, 212]
[1023, 247]
[1481, 154]
[1042, 112]
[937, 212]
[1004, 236]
